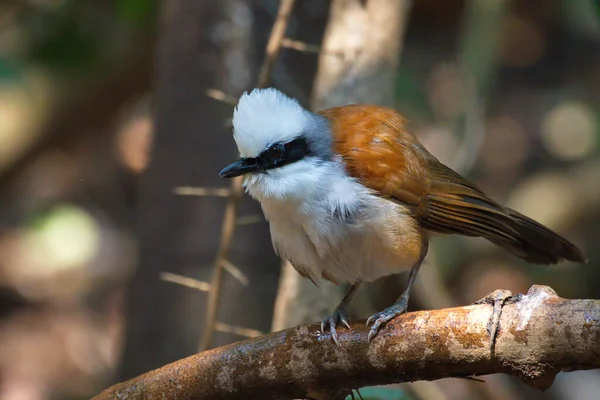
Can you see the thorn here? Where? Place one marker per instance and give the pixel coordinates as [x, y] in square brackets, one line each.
[185, 281]
[309, 48]
[202, 191]
[221, 96]
[237, 330]
[300, 46]
[250, 220]
[234, 271]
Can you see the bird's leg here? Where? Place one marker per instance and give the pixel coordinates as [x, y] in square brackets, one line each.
[400, 306]
[340, 314]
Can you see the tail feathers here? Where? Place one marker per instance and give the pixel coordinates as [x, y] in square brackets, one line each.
[535, 243]
[454, 205]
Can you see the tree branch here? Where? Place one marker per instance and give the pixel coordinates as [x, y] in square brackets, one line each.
[540, 334]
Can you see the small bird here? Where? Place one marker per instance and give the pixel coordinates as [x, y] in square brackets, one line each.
[352, 196]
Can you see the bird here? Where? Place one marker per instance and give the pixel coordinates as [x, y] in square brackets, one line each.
[351, 196]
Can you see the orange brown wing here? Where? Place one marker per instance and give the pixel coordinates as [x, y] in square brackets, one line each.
[379, 152]
[383, 155]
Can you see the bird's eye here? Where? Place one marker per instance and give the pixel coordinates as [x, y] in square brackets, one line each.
[275, 151]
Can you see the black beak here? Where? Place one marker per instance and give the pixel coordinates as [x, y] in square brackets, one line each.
[240, 167]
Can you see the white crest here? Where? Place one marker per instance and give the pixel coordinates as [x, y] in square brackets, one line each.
[266, 116]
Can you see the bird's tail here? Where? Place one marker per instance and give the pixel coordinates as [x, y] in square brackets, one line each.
[455, 205]
[535, 243]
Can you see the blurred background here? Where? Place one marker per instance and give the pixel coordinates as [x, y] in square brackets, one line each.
[114, 123]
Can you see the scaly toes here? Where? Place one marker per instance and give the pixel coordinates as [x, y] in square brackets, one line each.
[338, 316]
[379, 319]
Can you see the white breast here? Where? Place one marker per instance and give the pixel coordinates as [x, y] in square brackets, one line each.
[327, 224]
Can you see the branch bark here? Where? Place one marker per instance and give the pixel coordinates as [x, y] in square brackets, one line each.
[540, 334]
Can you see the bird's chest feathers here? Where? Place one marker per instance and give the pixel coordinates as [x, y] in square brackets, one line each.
[334, 227]
[319, 221]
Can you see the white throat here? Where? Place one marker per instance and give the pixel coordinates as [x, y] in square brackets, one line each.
[308, 181]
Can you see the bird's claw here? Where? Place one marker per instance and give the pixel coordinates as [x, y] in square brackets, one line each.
[338, 316]
[380, 318]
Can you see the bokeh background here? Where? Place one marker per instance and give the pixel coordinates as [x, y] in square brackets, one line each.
[114, 113]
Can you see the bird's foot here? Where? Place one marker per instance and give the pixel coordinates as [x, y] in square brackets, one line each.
[498, 298]
[380, 318]
[339, 315]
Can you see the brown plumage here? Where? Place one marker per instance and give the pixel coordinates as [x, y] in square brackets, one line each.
[400, 169]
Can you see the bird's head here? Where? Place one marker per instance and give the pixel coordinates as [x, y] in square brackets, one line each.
[273, 131]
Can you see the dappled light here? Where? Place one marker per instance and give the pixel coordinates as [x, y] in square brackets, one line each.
[133, 143]
[570, 130]
[506, 146]
[24, 106]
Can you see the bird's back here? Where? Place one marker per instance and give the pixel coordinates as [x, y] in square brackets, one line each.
[381, 153]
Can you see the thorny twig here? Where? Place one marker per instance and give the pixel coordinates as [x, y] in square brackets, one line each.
[229, 221]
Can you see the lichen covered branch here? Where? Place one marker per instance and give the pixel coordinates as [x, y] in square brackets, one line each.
[539, 334]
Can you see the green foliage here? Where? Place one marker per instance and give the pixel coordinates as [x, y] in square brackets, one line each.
[67, 46]
[137, 11]
[596, 4]
[78, 37]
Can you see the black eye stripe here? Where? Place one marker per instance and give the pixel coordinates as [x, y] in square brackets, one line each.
[280, 154]
[274, 151]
